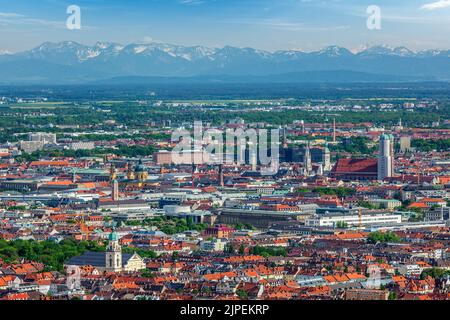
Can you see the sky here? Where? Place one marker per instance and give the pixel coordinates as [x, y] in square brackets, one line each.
[263, 24]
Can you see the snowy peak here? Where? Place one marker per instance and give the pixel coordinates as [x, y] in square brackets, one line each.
[70, 49]
[384, 50]
[334, 51]
[104, 60]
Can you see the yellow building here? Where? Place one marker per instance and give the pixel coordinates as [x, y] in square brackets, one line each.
[136, 178]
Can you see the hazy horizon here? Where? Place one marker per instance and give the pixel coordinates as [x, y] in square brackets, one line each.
[356, 50]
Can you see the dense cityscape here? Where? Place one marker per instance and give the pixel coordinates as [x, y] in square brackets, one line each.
[217, 159]
[94, 207]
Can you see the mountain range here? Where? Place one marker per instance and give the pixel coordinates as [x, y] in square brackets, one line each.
[73, 63]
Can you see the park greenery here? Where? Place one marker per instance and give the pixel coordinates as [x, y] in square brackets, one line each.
[268, 251]
[340, 192]
[341, 225]
[141, 252]
[52, 254]
[242, 294]
[367, 205]
[246, 226]
[383, 237]
[169, 226]
[435, 273]
[77, 115]
[430, 145]
[127, 151]
[355, 145]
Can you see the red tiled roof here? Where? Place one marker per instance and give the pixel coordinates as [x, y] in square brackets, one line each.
[356, 166]
[49, 163]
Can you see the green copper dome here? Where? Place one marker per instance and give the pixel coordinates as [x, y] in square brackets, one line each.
[140, 167]
[113, 236]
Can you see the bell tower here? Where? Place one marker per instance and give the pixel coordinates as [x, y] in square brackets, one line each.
[130, 172]
[113, 254]
[112, 173]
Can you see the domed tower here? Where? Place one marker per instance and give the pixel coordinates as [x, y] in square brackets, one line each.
[130, 173]
[112, 173]
[140, 172]
[113, 254]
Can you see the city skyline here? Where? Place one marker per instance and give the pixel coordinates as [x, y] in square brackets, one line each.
[209, 157]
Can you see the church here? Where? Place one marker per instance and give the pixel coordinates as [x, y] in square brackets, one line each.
[136, 178]
[113, 260]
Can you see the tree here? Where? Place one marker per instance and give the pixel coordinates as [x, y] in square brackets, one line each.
[342, 225]
[392, 296]
[239, 226]
[268, 251]
[366, 205]
[242, 294]
[249, 226]
[229, 248]
[430, 145]
[147, 274]
[175, 255]
[381, 237]
[53, 255]
[435, 273]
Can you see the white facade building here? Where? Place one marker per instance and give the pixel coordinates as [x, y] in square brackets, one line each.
[332, 220]
[215, 245]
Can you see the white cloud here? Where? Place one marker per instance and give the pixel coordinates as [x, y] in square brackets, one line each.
[10, 15]
[9, 18]
[191, 2]
[436, 5]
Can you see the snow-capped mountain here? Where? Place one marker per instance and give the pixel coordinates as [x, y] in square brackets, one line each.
[334, 51]
[71, 62]
[384, 50]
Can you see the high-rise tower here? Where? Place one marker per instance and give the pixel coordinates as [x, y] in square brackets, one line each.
[386, 157]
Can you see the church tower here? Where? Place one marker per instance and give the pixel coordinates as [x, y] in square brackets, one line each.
[113, 254]
[112, 173]
[307, 163]
[326, 158]
[130, 172]
[140, 172]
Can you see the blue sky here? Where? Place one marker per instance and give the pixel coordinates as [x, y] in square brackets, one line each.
[264, 24]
